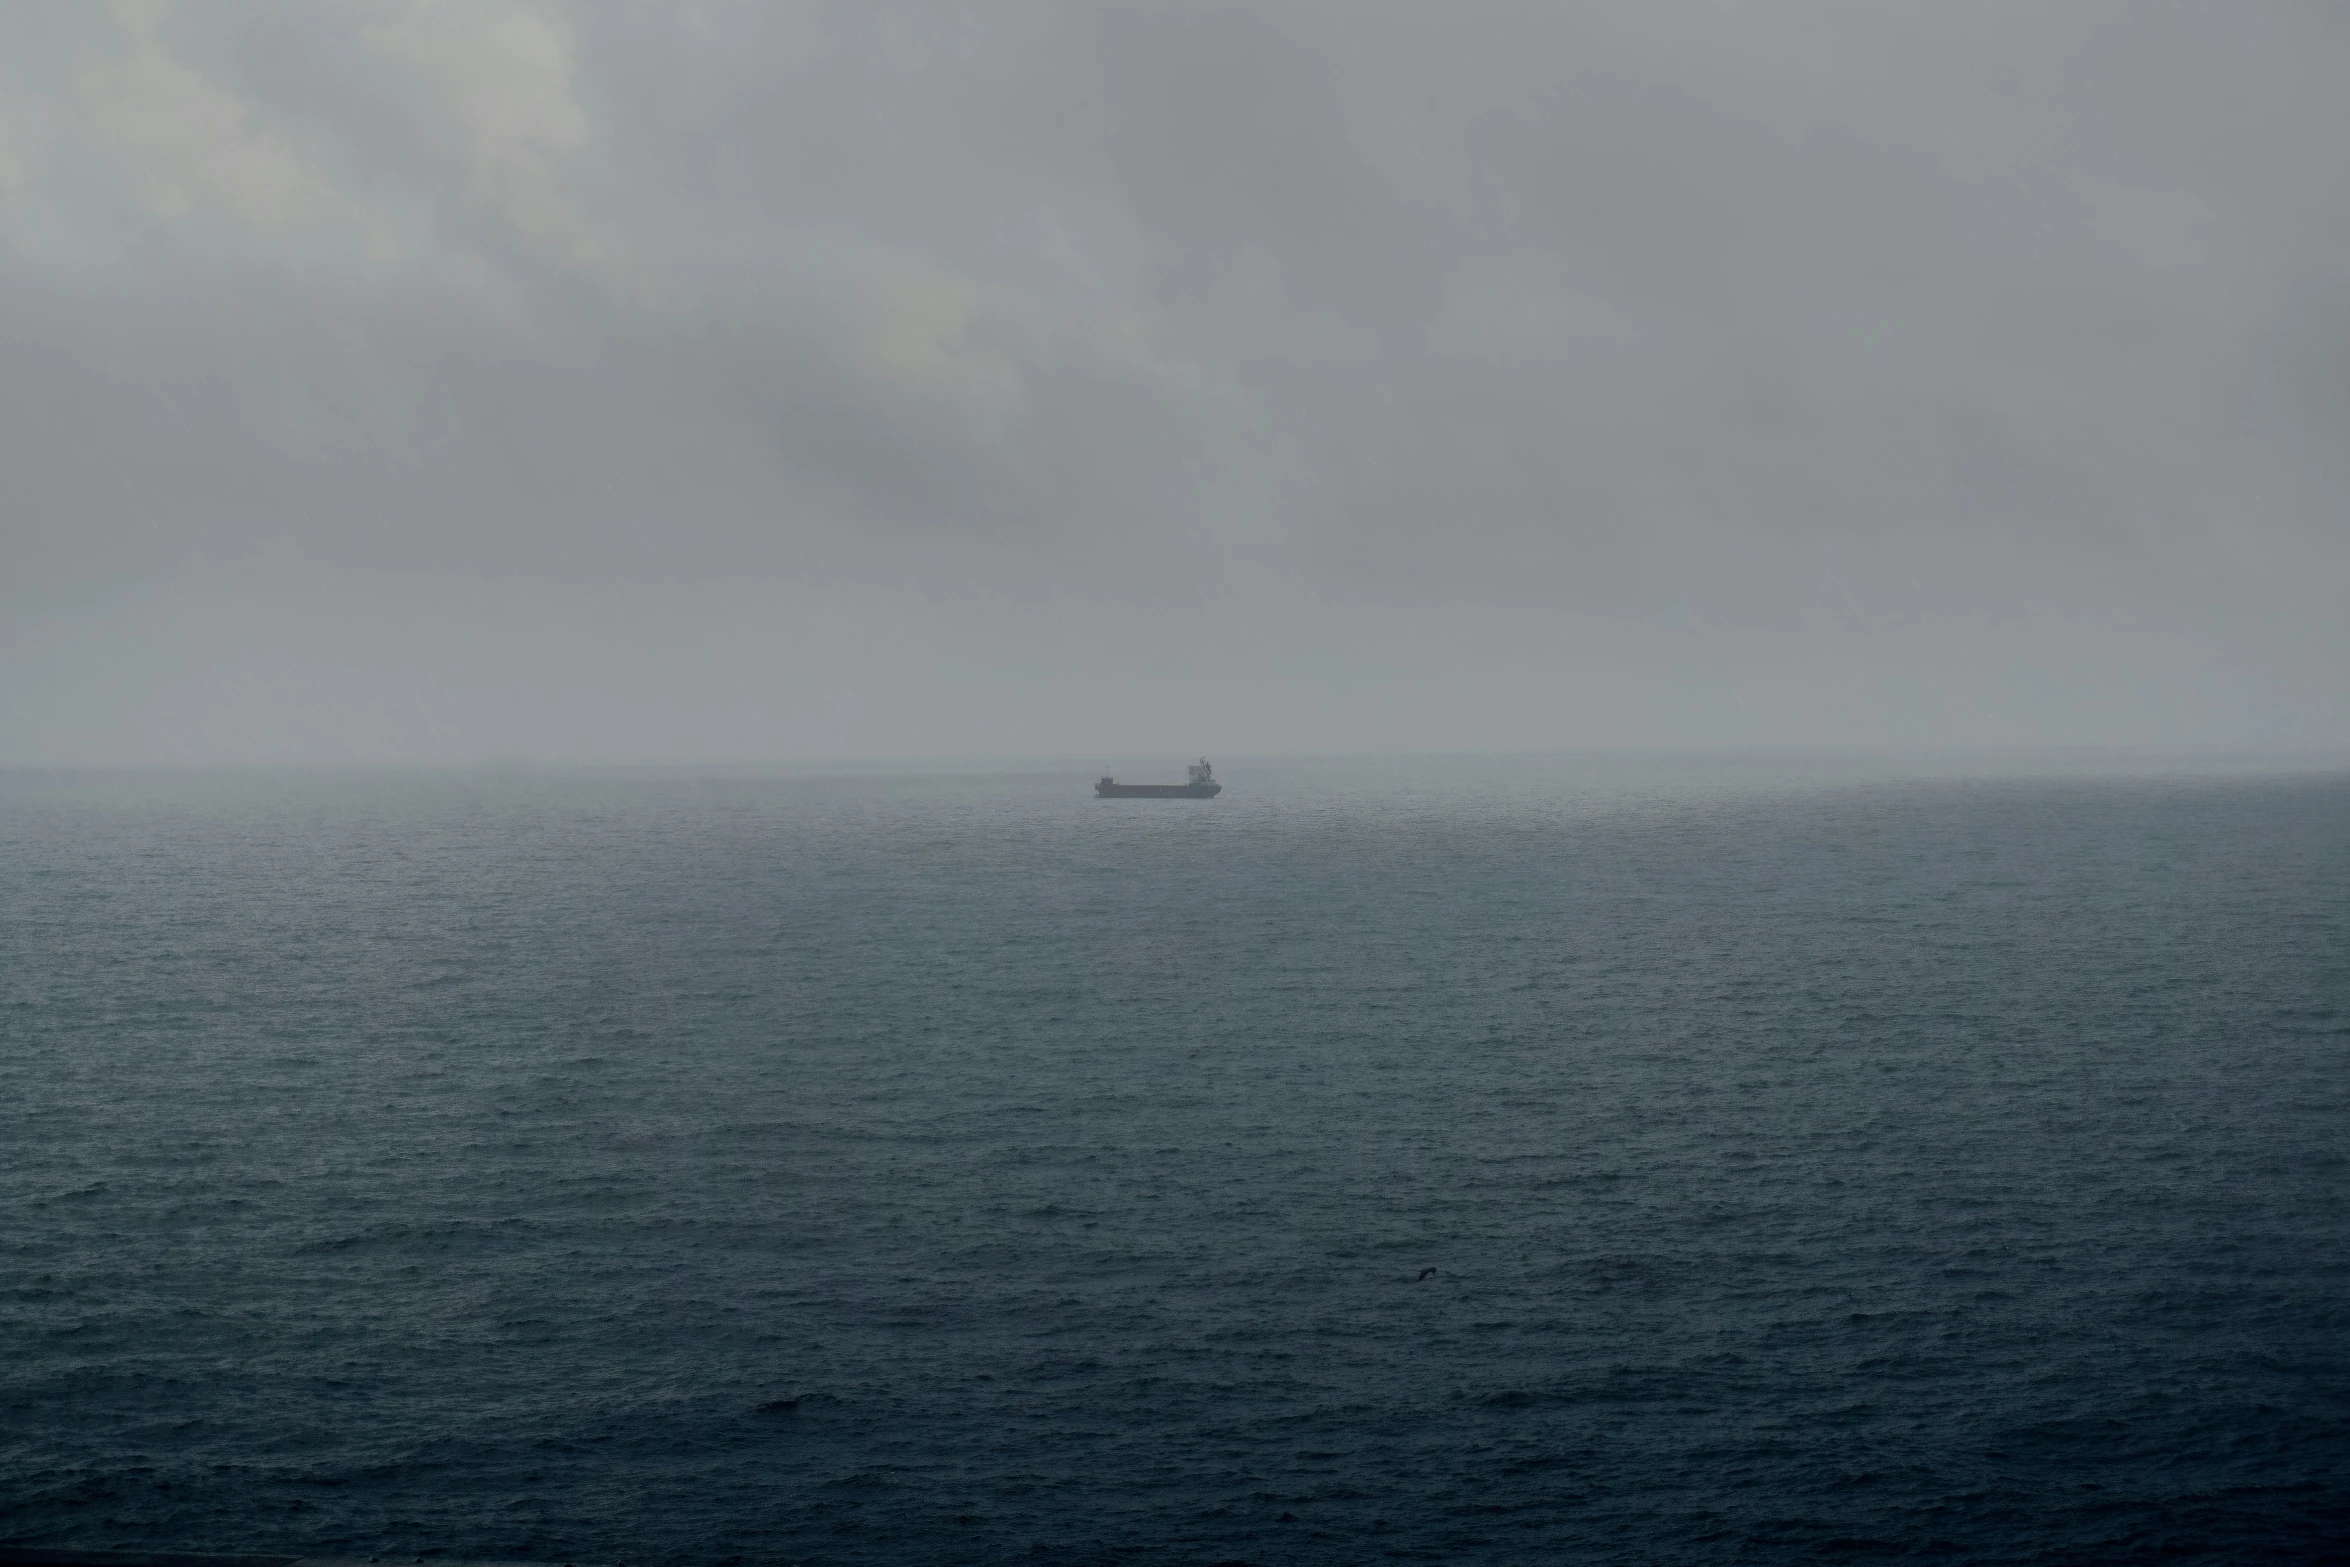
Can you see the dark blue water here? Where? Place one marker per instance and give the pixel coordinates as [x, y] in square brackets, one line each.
[1812, 1163]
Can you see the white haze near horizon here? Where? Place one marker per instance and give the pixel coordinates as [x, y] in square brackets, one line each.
[430, 381]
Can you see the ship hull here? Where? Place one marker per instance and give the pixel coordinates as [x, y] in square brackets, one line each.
[1119, 791]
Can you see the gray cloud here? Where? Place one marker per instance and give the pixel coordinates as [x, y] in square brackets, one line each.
[434, 380]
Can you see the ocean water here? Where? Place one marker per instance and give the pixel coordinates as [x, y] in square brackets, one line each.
[1587, 1160]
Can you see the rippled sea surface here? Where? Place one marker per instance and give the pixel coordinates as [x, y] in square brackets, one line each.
[1470, 1162]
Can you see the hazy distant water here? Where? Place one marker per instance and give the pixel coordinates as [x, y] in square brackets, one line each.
[1813, 1162]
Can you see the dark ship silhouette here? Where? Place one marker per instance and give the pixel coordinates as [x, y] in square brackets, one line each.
[1203, 786]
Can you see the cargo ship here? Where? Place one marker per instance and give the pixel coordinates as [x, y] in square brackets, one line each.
[1203, 786]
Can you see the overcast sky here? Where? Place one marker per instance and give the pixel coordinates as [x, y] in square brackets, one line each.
[450, 380]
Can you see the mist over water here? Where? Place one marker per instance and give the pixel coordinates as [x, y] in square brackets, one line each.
[1448, 1161]
[1734, 1154]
